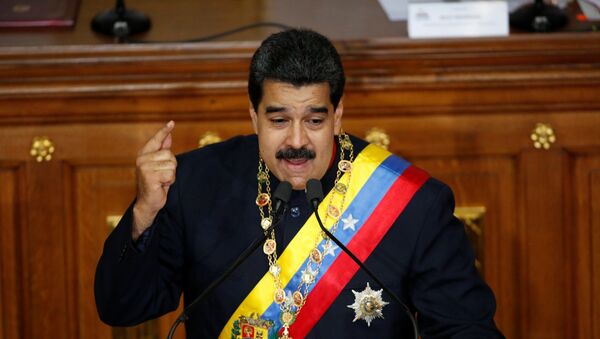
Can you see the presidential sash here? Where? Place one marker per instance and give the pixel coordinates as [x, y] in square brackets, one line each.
[380, 187]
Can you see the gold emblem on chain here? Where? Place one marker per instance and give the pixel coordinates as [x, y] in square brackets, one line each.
[340, 188]
[345, 166]
[298, 298]
[263, 199]
[269, 247]
[316, 256]
[265, 223]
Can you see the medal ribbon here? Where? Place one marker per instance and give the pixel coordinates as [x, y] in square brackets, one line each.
[376, 179]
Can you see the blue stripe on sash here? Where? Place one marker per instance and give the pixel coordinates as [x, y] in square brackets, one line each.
[360, 208]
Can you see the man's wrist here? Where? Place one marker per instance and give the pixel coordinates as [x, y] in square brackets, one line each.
[142, 219]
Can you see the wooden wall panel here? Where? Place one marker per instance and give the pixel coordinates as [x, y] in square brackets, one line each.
[489, 182]
[98, 192]
[44, 250]
[101, 190]
[11, 200]
[586, 273]
[595, 226]
[542, 245]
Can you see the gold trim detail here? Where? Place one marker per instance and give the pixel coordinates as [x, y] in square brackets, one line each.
[208, 138]
[42, 149]
[112, 221]
[21, 8]
[473, 220]
[543, 136]
[379, 137]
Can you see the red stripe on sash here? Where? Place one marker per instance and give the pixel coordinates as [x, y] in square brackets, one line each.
[362, 244]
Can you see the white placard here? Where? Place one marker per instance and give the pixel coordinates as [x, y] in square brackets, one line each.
[457, 19]
[590, 8]
[396, 10]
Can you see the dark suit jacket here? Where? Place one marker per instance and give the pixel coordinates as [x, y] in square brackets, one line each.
[211, 217]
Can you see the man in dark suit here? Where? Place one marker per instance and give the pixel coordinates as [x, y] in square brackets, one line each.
[179, 235]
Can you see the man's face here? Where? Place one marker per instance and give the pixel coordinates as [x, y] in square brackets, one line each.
[296, 128]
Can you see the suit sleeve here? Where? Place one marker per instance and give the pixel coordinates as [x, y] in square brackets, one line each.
[451, 298]
[132, 286]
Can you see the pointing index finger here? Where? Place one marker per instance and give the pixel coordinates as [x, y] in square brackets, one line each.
[156, 142]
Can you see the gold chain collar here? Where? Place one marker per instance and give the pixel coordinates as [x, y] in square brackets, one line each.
[290, 305]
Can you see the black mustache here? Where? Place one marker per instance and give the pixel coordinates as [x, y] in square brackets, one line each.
[295, 153]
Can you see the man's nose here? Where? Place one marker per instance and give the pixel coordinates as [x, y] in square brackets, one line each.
[297, 137]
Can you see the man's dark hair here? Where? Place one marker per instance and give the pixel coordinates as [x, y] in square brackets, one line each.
[298, 57]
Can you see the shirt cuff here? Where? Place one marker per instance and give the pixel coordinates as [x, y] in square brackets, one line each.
[142, 241]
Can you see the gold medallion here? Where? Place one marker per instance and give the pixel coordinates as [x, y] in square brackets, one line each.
[269, 246]
[346, 143]
[333, 211]
[316, 256]
[263, 199]
[345, 166]
[298, 299]
[279, 296]
[341, 188]
[262, 177]
[287, 318]
[265, 223]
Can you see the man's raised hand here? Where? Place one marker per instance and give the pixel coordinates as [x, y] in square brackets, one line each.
[155, 173]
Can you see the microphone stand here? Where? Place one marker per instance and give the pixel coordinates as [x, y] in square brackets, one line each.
[314, 202]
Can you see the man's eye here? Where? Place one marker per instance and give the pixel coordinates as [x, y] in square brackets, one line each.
[315, 122]
[278, 121]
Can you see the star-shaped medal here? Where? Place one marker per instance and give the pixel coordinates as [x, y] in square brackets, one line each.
[368, 305]
[349, 222]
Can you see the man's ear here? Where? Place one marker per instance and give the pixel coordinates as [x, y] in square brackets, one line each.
[254, 117]
[337, 116]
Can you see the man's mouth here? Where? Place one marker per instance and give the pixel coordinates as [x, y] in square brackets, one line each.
[298, 161]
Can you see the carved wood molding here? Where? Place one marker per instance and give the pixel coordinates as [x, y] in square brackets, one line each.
[385, 77]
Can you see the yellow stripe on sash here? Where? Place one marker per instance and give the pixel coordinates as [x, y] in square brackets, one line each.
[299, 248]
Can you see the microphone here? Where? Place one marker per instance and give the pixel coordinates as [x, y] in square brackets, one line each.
[120, 22]
[281, 196]
[314, 195]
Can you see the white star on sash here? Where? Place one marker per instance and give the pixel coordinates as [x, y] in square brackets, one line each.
[329, 249]
[349, 222]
